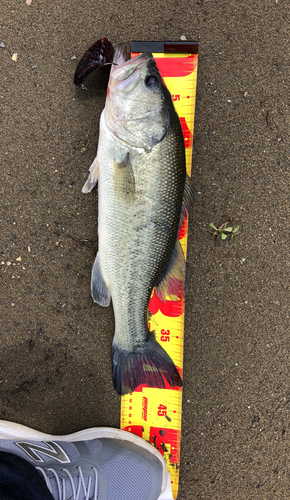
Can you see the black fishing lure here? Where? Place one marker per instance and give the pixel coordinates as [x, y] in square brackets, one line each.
[99, 55]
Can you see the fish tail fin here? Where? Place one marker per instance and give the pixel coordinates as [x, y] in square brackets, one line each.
[148, 365]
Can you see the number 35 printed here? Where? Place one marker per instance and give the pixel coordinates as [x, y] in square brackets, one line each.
[165, 335]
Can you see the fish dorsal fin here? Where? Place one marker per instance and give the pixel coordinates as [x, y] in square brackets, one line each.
[100, 292]
[172, 283]
[188, 197]
[93, 177]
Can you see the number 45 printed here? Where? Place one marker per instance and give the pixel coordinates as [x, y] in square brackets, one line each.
[162, 411]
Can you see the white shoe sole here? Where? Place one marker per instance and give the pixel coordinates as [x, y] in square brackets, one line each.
[13, 431]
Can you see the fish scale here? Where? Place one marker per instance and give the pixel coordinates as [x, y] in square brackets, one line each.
[140, 230]
[152, 413]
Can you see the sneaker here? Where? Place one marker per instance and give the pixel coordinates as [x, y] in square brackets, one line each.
[93, 464]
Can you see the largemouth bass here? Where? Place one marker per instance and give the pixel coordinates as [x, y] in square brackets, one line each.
[143, 197]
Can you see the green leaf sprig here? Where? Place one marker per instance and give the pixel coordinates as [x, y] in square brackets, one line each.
[224, 231]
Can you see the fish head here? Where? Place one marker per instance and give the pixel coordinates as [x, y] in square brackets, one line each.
[136, 110]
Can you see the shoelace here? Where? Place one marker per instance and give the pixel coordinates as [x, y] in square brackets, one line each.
[61, 484]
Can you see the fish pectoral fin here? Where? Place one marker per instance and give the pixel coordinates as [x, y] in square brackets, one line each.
[173, 282]
[124, 180]
[93, 177]
[188, 197]
[100, 292]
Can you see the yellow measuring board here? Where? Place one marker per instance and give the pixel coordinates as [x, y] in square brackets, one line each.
[152, 413]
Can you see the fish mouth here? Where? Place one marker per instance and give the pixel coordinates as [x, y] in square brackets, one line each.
[123, 71]
[120, 55]
[125, 74]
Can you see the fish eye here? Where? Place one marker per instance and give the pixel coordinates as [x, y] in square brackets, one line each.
[152, 81]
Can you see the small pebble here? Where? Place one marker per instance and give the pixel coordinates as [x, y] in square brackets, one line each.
[34, 66]
[2, 45]
[29, 249]
[19, 259]
[183, 37]
[8, 263]
[14, 57]
[73, 57]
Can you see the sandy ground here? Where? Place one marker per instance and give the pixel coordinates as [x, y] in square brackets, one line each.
[55, 344]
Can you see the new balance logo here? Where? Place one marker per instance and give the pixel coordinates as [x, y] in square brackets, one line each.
[53, 450]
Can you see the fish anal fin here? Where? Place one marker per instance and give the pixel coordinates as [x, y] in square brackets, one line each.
[149, 365]
[93, 177]
[172, 283]
[100, 292]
